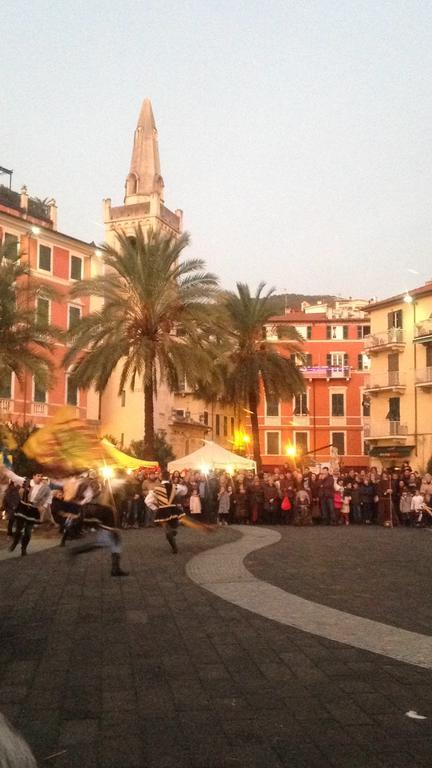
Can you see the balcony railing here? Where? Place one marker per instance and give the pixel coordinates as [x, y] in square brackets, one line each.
[39, 409]
[386, 380]
[424, 376]
[388, 429]
[423, 329]
[326, 372]
[393, 337]
[6, 405]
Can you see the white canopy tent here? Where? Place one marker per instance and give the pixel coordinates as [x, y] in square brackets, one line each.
[212, 456]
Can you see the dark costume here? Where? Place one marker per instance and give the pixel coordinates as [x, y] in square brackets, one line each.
[168, 513]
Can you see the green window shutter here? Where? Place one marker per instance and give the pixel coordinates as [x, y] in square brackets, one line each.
[345, 331]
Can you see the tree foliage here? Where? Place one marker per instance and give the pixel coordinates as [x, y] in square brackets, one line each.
[26, 340]
[245, 362]
[153, 323]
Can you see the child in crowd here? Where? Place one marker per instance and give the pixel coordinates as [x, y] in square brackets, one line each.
[346, 502]
[195, 502]
[303, 508]
[417, 502]
[405, 507]
[224, 501]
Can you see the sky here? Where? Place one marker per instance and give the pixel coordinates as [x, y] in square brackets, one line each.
[295, 135]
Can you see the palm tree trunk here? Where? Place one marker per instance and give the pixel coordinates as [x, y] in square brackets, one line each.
[149, 432]
[253, 407]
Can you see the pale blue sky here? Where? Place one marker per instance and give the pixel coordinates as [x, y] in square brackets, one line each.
[296, 136]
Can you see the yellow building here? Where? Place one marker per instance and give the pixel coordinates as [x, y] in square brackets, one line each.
[184, 420]
[400, 379]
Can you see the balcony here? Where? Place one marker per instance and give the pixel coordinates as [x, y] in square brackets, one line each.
[389, 381]
[39, 409]
[325, 372]
[424, 378]
[387, 429]
[391, 340]
[423, 331]
[6, 405]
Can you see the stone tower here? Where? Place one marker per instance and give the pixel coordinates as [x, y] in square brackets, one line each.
[123, 416]
[144, 187]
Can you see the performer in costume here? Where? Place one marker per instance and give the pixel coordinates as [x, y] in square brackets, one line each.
[162, 499]
[35, 496]
[100, 516]
[166, 499]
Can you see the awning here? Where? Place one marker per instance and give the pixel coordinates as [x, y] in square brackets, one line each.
[391, 451]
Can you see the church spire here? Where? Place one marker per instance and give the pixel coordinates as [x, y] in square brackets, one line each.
[144, 178]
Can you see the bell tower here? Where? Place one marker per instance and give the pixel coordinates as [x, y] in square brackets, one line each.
[144, 187]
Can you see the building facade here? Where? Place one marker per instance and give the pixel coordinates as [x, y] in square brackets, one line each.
[55, 260]
[399, 384]
[329, 422]
[184, 420]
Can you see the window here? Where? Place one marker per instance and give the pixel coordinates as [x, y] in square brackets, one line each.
[309, 332]
[338, 404]
[301, 442]
[74, 316]
[71, 392]
[225, 426]
[366, 405]
[11, 244]
[6, 385]
[40, 392]
[394, 409]
[363, 362]
[205, 418]
[272, 406]
[76, 268]
[429, 355]
[182, 384]
[338, 360]
[338, 440]
[217, 424]
[395, 319]
[45, 258]
[42, 311]
[123, 398]
[362, 331]
[338, 332]
[273, 443]
[308, 360]
[300, 405]
[232, 426]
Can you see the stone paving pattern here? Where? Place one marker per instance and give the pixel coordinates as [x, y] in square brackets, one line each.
[152, 671]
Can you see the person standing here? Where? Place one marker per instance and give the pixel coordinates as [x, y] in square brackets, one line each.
[326, 488]
[224, 501]
[35, 496]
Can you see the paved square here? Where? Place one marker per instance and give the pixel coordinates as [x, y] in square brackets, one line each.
[153, 670]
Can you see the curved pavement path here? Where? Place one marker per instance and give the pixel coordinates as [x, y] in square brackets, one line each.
[222, 572]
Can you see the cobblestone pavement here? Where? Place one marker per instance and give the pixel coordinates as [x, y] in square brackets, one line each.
[153, 671]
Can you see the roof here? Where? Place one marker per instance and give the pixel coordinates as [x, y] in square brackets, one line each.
[47, 230]
[423, 290]
[213, 456]
[316, 317]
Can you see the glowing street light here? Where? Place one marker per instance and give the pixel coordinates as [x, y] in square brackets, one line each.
[290, 451]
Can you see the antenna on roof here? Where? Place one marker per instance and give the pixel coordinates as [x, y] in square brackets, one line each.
[6, 172]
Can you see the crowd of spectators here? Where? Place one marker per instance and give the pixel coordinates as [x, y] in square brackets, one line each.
[287, 496]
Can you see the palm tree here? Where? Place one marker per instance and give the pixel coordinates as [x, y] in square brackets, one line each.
[250, 362]
[26, 340]
[153, 322]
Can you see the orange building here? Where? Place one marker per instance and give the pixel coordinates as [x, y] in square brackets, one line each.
[55, 260]
[329, 422]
